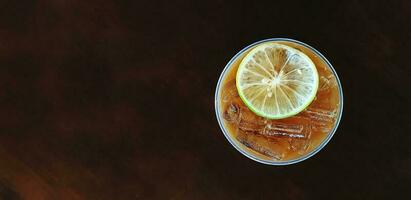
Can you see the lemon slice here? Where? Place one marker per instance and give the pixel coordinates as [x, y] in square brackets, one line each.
[276, 81]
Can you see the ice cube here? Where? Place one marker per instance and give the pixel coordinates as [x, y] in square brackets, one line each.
[260, 144]
[249, 126]
[300, 145]
[320, 118]
[250, 122]
[285, 130]
[327, 83]
[229, 92]
[232, 113]
[320, 115]
[327, 95]
[239, 114]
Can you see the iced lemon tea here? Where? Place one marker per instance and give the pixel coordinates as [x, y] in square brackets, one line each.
[285, 139]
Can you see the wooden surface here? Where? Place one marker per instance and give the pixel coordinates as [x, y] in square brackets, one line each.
[115, 99]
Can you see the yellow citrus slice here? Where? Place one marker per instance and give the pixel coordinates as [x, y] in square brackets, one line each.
[276, 81]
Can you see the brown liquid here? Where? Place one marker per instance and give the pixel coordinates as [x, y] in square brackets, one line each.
[284, 139]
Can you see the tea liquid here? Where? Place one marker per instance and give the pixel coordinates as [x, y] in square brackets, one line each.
[284, 139]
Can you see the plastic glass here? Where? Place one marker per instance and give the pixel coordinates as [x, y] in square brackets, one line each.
[237, 146]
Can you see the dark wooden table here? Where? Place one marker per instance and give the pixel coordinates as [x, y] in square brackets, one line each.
[115, 99]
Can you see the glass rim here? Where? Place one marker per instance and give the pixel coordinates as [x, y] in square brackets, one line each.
[274, 162]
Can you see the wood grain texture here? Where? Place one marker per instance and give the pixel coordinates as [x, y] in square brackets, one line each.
[115, 99]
